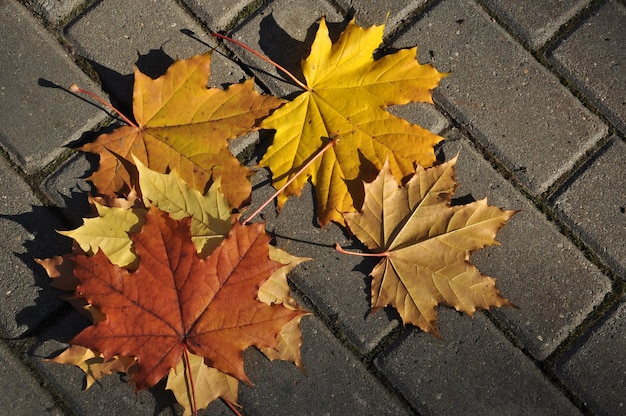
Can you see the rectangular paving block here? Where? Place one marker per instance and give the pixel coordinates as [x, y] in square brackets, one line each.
[27, 231]
[535, 21]
[283, 31]
[219, 14]
[593, 57]
[594, 204]
[37, 116]
[117, 35]
[473, 370]
[506, 99]
[21, 392]
[554, 286]
[595, 368]
[54, 10]
[374, 12]
[337, 284]
[335, 383]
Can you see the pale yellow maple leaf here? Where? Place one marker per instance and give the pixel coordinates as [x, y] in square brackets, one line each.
[425, 245]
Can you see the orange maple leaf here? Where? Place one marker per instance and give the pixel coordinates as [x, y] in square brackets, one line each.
[176, 301]
[425, 245]
[182, 125]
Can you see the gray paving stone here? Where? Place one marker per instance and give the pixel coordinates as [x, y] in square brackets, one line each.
[498, 92]
[473, 370]
[54, 10]
[144, 34]
[28, 231]
[375, 12]
[593, 56]
[596, 368]
[67, 187]
[535, 21]
[30, 110]
[21, 392]
[283, 31]
[218, 14]
[336, 383]
[594, 205]
[537, 268]
[337, 284]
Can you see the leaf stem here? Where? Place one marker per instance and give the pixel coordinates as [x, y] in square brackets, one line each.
[76, 89]
[352, 253]
[192, 390]
[232, 407]
[328, 145]
[265, 58]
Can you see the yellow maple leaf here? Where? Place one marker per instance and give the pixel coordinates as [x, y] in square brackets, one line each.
[109, 232]
[347, 93]
[185, 126]
[425, 245]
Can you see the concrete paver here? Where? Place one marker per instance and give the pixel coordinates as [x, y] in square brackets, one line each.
[593, 57]
[496, 91]
[21, 393]
[535, 21]
[143, 34]
[595, 368]
[37, 120]
[566, 287]
[26, 229]
[473, 370]
[595, 202]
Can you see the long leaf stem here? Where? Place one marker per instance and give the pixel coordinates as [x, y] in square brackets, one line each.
[352, 253]
[265, 58]
[328, 145]
[76, 89]
[192, 389]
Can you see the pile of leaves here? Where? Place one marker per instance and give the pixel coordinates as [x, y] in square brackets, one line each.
[178, 286]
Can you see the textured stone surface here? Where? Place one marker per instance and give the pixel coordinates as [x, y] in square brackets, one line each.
[337, 284]
[537, 268]
[34, 108]
[473, 370]
[27, 231]
[335, 382]
[497, 92]
[54, 10]
[596, 368]
[535, 21]
[145, 34]
[283, 31]
[218, 14]
[595, 205]
[594, 57]
[375, 12]
[21, 393]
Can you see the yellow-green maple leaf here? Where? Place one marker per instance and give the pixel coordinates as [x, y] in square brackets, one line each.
[425, 245]
[210, 213]
[347, 94]
[109, 232]
[185, 126]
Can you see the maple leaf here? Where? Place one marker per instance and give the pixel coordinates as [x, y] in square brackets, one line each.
[109, 232]
[210, 213]
[209, 384]
[176, 301]
[425, 245]
[185, 126]
[347, 93]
